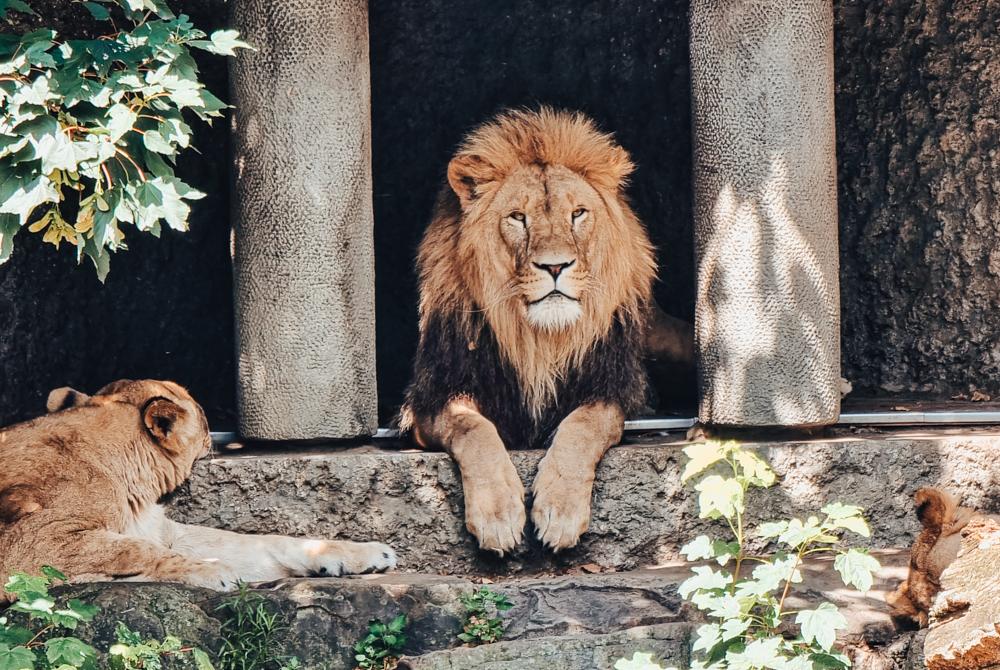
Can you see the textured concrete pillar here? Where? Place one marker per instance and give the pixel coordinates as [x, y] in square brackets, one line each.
[303, 249]
[768, 305]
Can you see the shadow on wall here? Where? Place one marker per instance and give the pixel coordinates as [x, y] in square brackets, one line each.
[769, 296]
[441, 67]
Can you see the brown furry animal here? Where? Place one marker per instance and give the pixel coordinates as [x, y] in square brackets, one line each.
[669, 338]
[535, 289]
[79, 490]
[934, 549]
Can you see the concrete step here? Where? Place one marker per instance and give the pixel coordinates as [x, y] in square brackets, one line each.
[642, 513]
[667, 644]
[572, 621]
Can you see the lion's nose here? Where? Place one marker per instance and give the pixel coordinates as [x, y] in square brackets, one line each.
[554, 269]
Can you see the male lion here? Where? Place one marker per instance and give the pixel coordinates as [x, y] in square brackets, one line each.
[535, 283]
[79, 487]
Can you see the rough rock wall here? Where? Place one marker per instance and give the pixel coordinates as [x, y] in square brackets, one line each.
[918, 122]
[641, 512]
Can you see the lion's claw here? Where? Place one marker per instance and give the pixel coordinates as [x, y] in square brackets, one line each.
[561, 508]
[495, 514]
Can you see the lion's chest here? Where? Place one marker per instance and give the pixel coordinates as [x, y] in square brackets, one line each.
[456, 360]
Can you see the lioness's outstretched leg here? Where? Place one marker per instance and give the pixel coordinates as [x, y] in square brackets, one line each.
[494, 495]
[100, 555]
[258, 558]
[565, 479]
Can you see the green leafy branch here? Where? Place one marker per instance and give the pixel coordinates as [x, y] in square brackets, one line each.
[133, 652]
[91, 129]
[748, 613]
[381, 648]
[482, 622]
[34, 633]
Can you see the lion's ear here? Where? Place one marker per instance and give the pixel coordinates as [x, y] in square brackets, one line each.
[613, 171]
[161, 417]
[64, 398]
[466, 173]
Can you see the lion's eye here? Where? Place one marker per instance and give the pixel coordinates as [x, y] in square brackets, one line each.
[579, 214]
[517, 216]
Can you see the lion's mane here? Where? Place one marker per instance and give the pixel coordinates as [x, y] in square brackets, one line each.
[474, 338]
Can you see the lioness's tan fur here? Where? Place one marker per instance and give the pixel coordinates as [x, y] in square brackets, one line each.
[79, 490]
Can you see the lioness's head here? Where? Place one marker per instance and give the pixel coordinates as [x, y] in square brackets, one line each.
[167, 416]
[546, 236]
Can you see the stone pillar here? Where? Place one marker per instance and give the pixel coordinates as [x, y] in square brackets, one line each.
[768, 305]
[303, 251]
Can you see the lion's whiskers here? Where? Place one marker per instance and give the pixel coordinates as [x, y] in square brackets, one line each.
[509, 290]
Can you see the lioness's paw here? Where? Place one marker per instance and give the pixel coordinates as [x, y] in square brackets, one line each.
[494, 512]
[333, 559]
[213, 576]
[363, 557]
[561, 508]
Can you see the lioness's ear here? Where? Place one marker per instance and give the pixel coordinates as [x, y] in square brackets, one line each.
[161, 417]
[466, 173]
[64, 398]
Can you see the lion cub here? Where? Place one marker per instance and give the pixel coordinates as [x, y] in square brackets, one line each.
[934, 550]
[79, 490]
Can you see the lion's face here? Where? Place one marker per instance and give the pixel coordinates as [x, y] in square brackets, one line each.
[534, 232]
[548, 219]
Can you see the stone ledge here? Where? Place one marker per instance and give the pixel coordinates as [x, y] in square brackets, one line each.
[555, 617]
[669, 644]
[642, 513]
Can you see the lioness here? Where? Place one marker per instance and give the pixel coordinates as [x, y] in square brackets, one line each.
[933, 550]
[535, 284]
[79, 490]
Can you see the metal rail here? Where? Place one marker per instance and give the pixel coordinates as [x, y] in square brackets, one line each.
[873, 418]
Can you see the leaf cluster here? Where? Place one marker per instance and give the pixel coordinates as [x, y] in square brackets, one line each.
[745, 597]
[90, 128]
[133, 652]
[482, 622]
[35, 633]
[249, 634]
[381, 648]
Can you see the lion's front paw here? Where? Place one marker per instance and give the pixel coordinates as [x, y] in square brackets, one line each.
[494, 511]
[561, 507]
[333, 559]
